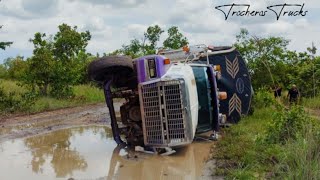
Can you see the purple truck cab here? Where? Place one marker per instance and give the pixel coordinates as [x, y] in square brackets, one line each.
[150, 67]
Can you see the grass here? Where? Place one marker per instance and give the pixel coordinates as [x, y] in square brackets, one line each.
[302, 161]
[312, 103]
[266, 97]
[84, 94]
[89, 93]
[238, 153]
[11, 86]
[242, 153]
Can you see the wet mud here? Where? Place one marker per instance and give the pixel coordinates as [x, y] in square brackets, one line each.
[30, 125]
[77, 144]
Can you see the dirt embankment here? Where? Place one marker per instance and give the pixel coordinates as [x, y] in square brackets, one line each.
[29, 125]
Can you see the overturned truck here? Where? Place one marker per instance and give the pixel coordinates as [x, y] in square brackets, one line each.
[174, 95]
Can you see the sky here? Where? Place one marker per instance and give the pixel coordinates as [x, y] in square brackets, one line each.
[113, 23]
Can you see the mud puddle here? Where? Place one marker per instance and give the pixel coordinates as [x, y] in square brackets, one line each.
[30, 125]
[91, 153]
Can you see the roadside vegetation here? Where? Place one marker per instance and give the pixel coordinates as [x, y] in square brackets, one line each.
[312, 103]
[279, 140]
[276, 142]
[16, 99]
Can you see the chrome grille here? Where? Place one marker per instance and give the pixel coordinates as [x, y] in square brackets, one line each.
[153, 123]
[174, 110]
[164, 121]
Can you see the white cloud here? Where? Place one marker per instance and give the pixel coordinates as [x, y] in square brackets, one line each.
[115, 3]
[29, 9]
[39, 7]
[113, 22]
[277, 28]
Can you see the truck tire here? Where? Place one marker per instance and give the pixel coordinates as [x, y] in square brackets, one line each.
[120, 68]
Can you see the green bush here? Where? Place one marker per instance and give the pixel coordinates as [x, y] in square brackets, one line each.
[13, 102]
[262, 99]
[253, 148]
[15, 98]
[3, 72]
[286, 124]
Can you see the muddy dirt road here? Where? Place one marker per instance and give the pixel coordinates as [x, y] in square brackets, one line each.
[30, 125]
[76, 143]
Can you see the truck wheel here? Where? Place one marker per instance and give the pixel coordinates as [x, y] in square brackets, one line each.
[120, 68]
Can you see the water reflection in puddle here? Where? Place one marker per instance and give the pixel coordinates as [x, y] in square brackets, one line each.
[90, 153]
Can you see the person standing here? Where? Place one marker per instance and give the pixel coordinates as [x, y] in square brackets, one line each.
[277, 91]
[293, 94]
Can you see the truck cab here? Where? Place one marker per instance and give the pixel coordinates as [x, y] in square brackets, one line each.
[177, 100]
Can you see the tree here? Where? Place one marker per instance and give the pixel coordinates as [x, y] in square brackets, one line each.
[153, 36]
[313, 51]
[270, 63]
[3, 72]
[115, 52]
[146, 46]
[134, 49]
[41, 67]
[68, 43]
[69, 52]
[175, 39]
[266, 58]
[58, 62]
[83, 60]
[3, 45]
[15, 67]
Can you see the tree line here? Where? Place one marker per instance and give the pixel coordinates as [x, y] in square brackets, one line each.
[59, 61]
[148, 43]
[271, 63]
